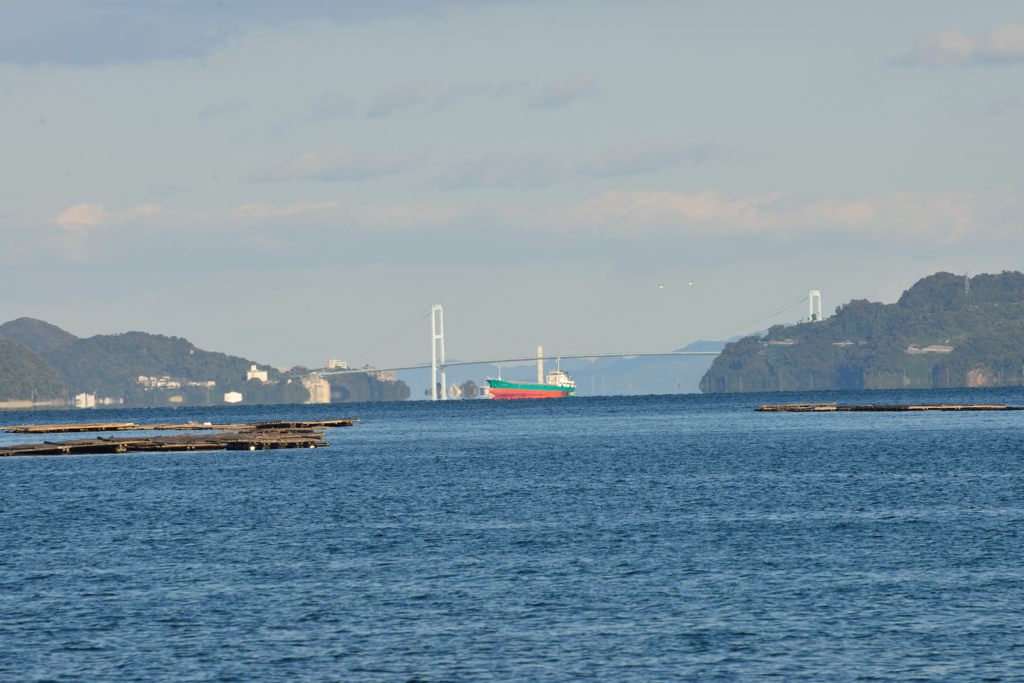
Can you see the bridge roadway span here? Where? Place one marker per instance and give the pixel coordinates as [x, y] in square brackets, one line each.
[424, 366]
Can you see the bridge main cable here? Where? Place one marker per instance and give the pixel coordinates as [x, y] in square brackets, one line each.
[524, 359]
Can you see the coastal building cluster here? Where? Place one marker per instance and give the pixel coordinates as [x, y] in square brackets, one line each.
[84, 400]
[318, 388]
[165, 382]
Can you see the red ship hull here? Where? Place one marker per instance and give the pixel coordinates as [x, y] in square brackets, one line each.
[512, 394]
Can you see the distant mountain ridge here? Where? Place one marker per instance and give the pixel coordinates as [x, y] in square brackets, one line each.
[947, 330]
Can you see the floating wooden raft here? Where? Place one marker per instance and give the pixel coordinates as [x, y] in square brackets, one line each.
[880, 408]
[56, 429]
[182, 427]
[250, 437]
[304, 424]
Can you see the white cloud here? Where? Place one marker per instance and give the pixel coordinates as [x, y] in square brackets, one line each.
[335, 162]
[81, 216]
[1004, 44]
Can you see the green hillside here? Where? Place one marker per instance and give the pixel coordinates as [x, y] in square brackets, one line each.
[39, 336]
[25, 376]
[945, 331]
[107, 364]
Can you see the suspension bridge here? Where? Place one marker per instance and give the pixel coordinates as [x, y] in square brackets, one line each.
[438, 362]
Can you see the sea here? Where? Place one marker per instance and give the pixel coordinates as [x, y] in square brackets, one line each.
[641, 538]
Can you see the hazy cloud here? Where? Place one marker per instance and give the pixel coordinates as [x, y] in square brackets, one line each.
[457, 91]
[1004, 105]
[941, 217]
[402, 98]
[261, 210]
[81, 216]
[500, 170]
[648, 157]
[311, 217]
[263, 234]
[168, 190]
[329, 106]
[1004, 44]
[334, 163]
[332, 105]
[214, 111]
[86, 215]
[925, 218]
[99, 32]
[565, 92]
[402, 216]
[610, 224]
[428, 96]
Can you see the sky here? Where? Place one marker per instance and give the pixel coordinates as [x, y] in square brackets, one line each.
[297, 181]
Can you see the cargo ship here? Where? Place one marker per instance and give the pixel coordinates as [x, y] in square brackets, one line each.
[556, 384]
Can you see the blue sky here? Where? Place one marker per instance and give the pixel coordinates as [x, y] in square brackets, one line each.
[292, 181]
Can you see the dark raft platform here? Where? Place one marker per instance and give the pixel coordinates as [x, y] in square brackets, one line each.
[243, 437]
[881, 408]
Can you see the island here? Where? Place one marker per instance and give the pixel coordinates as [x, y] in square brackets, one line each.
[946, 331]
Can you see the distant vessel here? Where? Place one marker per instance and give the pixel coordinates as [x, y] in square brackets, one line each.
[557, 384]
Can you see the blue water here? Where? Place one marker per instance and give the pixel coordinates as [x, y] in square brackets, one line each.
[618, 539]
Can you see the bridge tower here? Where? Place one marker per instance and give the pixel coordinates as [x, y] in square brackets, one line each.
[437, 360]
[814, 305]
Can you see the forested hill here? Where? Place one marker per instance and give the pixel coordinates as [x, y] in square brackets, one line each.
[25, 376]
[110, 365]
[41, 361]
[39, 336]
[945, 331]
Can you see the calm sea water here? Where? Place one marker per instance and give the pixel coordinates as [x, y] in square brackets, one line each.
[620, 539]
